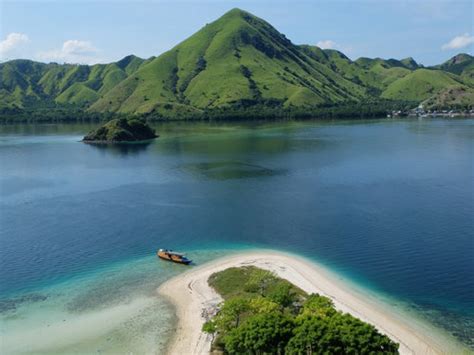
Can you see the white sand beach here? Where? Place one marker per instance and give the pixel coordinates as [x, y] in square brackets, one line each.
[193, 299]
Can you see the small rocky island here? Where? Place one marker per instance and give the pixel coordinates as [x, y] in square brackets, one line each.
[121, 130]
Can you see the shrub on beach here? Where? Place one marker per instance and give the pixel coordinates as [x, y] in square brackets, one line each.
[264, 314]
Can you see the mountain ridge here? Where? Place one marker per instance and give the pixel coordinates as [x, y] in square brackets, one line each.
[238, 61]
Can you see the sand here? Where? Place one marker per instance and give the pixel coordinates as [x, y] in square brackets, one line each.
[62, 334]
[194, 299]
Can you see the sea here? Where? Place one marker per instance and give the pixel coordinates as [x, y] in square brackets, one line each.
[386, 205]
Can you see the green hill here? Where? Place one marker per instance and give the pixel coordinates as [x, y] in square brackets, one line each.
[451, 97]
[375, 75]
[237, 63]
[459, 64]
[462, 65]
[237, 58]
[25, 83]
[421, 84]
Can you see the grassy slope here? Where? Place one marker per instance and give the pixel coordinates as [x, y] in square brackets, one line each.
[462, 65]
[410, 63]
[248, 282]
[24, 83]
[459, 64]
[458, 94]
[236, 57]
[373, 74]
[376, 74]
[17, 82]
[421, 84]
[451, 97]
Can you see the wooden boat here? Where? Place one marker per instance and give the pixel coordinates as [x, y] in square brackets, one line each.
[170, 255]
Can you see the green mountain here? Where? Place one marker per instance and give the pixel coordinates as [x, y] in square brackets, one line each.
[459, 64]
[452, 97]
[373, 74]
[421, 84]
[447, 85]
[25, 83]
[237, 62]
[236, 58]
[410, 63]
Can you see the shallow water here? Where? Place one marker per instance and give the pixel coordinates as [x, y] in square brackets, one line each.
[386, 204]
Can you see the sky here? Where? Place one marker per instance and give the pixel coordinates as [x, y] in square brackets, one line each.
[101, 31]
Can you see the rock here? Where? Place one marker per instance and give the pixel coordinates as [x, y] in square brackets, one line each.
[121, 130]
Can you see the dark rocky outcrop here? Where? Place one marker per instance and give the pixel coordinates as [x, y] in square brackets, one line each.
[121, 130]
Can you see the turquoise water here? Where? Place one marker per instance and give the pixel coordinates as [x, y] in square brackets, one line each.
[385, 204]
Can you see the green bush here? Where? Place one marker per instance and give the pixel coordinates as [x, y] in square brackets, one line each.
[264, 314]
[261, 333]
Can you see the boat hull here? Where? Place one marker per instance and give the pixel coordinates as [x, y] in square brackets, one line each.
[174, 258]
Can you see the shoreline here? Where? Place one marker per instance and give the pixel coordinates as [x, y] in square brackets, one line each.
[194, 300]
[100, 142]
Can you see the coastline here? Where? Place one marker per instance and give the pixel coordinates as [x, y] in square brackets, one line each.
[102, 142]
[194, 299]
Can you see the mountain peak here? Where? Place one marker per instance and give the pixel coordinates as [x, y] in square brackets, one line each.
[235, 12]
[122, 63]
[460, 58]
[460, 63]
[237, 59]
[410, 63]
[232, 32]
[234, 62]
[130, 63]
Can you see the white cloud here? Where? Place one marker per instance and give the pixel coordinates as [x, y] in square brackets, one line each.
[72, 51]
[12, 42]
[75, 47]
[459, 42]
[327, 44]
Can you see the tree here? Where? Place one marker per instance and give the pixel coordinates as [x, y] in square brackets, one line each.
[308, 336]
[319, 306]
[261, 333]
[259, 281]
[360, 337]
[230, 314]
[282, 294]
[262, 305]
[338, 334]
[263, 314]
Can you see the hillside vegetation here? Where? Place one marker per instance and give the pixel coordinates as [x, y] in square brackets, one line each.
[121, 130]
[234, 66]
[263, 314]
[25, 83]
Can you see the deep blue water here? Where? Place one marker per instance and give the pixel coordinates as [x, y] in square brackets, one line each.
[389, 204]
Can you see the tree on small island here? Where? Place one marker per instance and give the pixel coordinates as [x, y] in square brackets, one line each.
[264, 314]
[121, 130]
